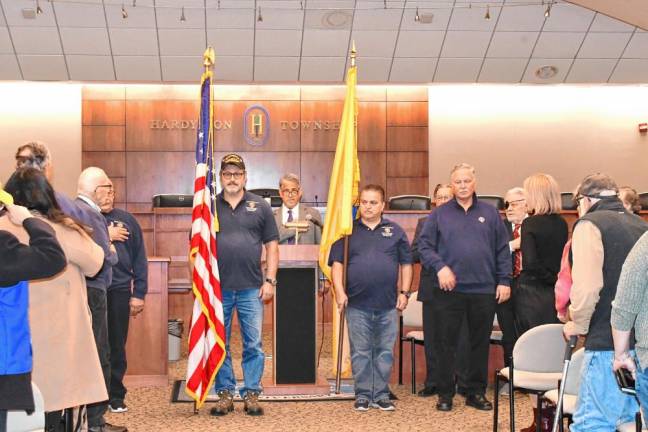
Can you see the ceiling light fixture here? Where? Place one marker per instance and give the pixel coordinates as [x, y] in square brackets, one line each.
[134, 3]
[259, 16]
[546, 72]
[487, 16]
[548, 11]
[39, 10]
[417, 17]
[123, 12]
[183, 18]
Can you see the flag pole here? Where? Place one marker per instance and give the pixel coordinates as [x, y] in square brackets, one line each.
[338, 374]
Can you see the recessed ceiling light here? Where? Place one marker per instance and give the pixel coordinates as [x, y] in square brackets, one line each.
[336, 19]
[546, 72]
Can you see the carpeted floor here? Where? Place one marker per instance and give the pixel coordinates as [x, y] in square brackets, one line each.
[150, 409]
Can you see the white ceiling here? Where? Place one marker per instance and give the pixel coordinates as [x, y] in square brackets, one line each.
[88, 40]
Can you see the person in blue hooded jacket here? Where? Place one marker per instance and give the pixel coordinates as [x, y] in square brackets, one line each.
[20, 263]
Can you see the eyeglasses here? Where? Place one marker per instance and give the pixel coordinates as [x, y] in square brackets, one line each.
[290, 192]
[514, 203]
[228, 175]
[110, 191]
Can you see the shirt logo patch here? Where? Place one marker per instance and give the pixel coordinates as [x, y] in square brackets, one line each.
[387, 231]
[481, 219]
[251, 206]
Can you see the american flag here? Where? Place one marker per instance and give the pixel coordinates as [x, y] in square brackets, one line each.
[207, 333]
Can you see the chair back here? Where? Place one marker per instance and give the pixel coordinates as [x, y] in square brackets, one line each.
[541, 349]
[572, 382]
[567, 201]
[495, 201]
[413, 313]
[19, 421]
[410, 202]
[643, 200]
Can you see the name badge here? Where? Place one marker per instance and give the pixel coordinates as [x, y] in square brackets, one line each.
[251, 206]
[387, 231]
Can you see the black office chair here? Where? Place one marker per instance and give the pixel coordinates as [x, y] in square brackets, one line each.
[267, 193]
[494, 200]
[410, 202]
[568, 202]
[173, 200]
[643, 200]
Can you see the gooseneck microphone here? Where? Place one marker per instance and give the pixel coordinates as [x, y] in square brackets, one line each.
[315, 222]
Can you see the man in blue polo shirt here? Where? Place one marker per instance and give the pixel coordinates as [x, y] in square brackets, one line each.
[246, 225]
[378, 251]
[465, 243]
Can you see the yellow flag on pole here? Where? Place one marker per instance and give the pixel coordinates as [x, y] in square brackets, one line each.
[342, 195]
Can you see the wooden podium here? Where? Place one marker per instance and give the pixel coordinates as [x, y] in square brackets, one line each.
[295, 317]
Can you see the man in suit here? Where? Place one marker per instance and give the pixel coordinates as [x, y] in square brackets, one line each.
[93, 189]
[291, 211]
[516, 211]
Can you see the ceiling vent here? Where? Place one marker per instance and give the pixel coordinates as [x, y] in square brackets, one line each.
[29, 13]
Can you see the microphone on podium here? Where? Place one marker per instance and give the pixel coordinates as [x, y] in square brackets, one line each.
[315, 222]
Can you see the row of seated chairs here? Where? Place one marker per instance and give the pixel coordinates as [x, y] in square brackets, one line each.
[536, 368]
[422, 202]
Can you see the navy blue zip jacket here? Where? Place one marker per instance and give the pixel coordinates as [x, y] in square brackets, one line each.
[132, 264]
[473, 243]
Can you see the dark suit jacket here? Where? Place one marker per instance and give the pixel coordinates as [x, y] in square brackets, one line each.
[429, 281]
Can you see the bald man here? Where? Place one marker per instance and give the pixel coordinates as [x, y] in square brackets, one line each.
[93, 191]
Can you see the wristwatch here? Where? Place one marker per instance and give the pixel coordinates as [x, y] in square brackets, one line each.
[272, 282]
[406, 293]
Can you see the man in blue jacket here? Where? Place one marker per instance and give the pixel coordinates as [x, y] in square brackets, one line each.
[465, 243]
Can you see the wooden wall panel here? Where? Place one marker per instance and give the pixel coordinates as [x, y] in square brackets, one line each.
[103, 112]
[157, 173]
[119, 183]
[407, 186]
[114, 163]
[407, 138]
[372, 168]
[315, 172]
[371, 126]
[407, 164]
[103, 138]
[179, 135]
[320, 140]
[407, 114]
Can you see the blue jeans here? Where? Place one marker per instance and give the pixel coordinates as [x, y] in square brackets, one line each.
[642, 390]
[601, 406]
[372, 335]
[249, 309]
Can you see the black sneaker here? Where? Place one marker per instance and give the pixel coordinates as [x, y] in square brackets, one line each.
[384, 405]
[361, 405]
[117, 406]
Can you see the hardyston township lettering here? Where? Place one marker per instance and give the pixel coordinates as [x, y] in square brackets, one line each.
[187, 124]
[314, 125]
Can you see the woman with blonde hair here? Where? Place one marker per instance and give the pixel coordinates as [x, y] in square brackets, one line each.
[543, 237]
[544, 234]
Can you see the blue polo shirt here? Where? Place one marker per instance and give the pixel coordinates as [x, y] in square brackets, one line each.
[243, 232]
[473, 243]
[374, 259]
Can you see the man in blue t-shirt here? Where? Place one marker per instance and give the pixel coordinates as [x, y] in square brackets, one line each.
[378, 252]
[465, 244]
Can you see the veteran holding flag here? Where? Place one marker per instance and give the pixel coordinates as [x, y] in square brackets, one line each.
[342, 195]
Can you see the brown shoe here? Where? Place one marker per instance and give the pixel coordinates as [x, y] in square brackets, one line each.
[225, 404]
[252, 407]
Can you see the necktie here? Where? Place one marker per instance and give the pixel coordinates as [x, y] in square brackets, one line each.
[291, 240]
[517, 255]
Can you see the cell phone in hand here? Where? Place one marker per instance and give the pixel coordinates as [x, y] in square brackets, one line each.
[625, 381]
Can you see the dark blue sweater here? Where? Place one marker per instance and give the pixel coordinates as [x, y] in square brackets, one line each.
[473, 243]
[132, 264]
